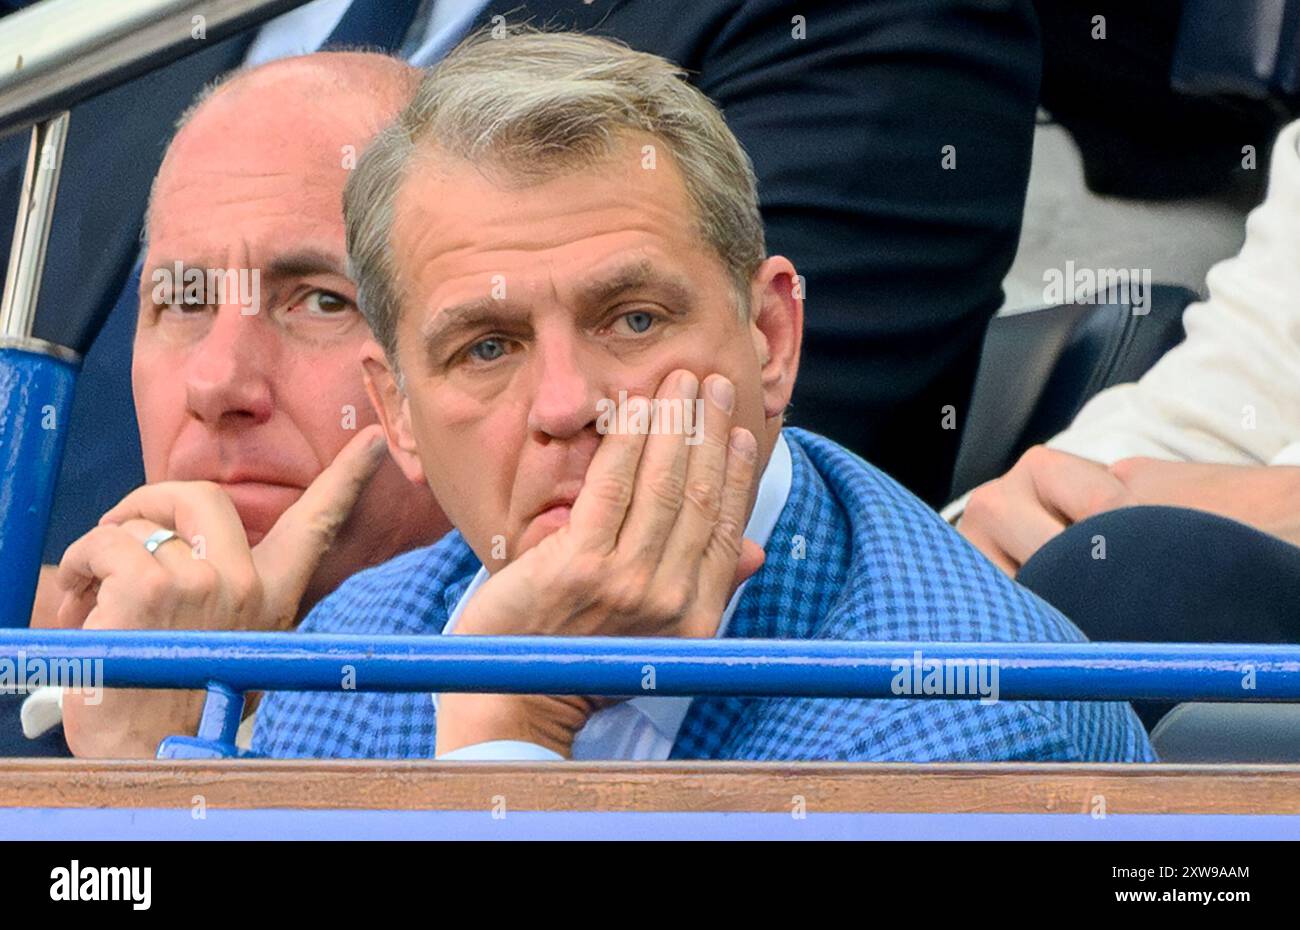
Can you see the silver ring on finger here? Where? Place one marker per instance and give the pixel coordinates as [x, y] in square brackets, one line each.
[157, 538]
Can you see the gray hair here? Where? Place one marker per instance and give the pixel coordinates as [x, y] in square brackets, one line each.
[533, 104]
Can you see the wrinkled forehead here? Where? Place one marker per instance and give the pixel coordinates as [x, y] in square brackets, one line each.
[266, 168]
[259, 207]
[451, 216]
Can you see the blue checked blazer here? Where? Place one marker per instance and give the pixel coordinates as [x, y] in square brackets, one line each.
[853, 556]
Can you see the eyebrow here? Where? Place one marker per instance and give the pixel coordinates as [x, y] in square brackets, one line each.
[296, 264]
[633, 277]
[447, 324]
[303, 262]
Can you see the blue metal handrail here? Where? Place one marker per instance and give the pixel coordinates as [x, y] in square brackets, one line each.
[621, 666]
[230, 664]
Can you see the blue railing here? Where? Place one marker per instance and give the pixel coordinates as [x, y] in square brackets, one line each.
[230, 664]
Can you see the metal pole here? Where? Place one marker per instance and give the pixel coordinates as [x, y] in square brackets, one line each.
[36, 383]
[647, 667]
[32, 228]
[58, 52]
[223, 710]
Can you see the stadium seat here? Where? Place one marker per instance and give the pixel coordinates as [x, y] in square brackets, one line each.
[1039, 368]
[1241, 733]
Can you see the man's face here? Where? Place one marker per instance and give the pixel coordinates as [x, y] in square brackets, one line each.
[260, 402]
[525, 306]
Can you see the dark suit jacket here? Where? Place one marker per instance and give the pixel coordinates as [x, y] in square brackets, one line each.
[845, 108]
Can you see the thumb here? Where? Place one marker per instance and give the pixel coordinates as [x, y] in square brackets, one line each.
[288, 555]
[704, 624]
[751, 560]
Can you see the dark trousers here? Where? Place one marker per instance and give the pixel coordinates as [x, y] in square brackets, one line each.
[1170, 575]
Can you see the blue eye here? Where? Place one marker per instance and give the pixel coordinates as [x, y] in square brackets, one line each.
[638, 321]
[488, 350]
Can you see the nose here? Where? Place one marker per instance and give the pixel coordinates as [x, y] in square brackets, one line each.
[565, 390]
[227, 375]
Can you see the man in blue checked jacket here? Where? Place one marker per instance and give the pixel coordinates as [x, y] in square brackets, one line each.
[583, 349]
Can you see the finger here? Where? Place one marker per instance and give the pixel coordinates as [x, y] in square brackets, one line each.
[99, 553]
[104, 554]
[288, 555]
[198, 512]
[193, 509]
[1078, 488]
[988, 546]
[1005, 563]
[192, 582]
[75, 608]
[752, 558]
[173, 554]
[49, 599]
[601, 506]
[662, 478]
[722, 556]
[1006, 520]
[1028, 526]
[706, 483]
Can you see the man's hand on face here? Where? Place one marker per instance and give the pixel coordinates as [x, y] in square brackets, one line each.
[111, 582]
[1010, 518]
[654, 546]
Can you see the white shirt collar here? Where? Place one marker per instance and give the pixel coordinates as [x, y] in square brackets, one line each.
[667, 713]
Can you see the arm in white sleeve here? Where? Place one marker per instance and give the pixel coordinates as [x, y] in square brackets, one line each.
[1230, 393]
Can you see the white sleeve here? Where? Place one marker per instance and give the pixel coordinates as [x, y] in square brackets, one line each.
[501, 750]
[1288, 456]
[1230, 393]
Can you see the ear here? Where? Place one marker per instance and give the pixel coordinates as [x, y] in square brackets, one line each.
[776, 324]
[394, 410]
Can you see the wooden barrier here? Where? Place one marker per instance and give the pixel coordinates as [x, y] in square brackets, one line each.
[653, 787]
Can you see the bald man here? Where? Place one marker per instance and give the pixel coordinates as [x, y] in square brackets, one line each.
[259, 445]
